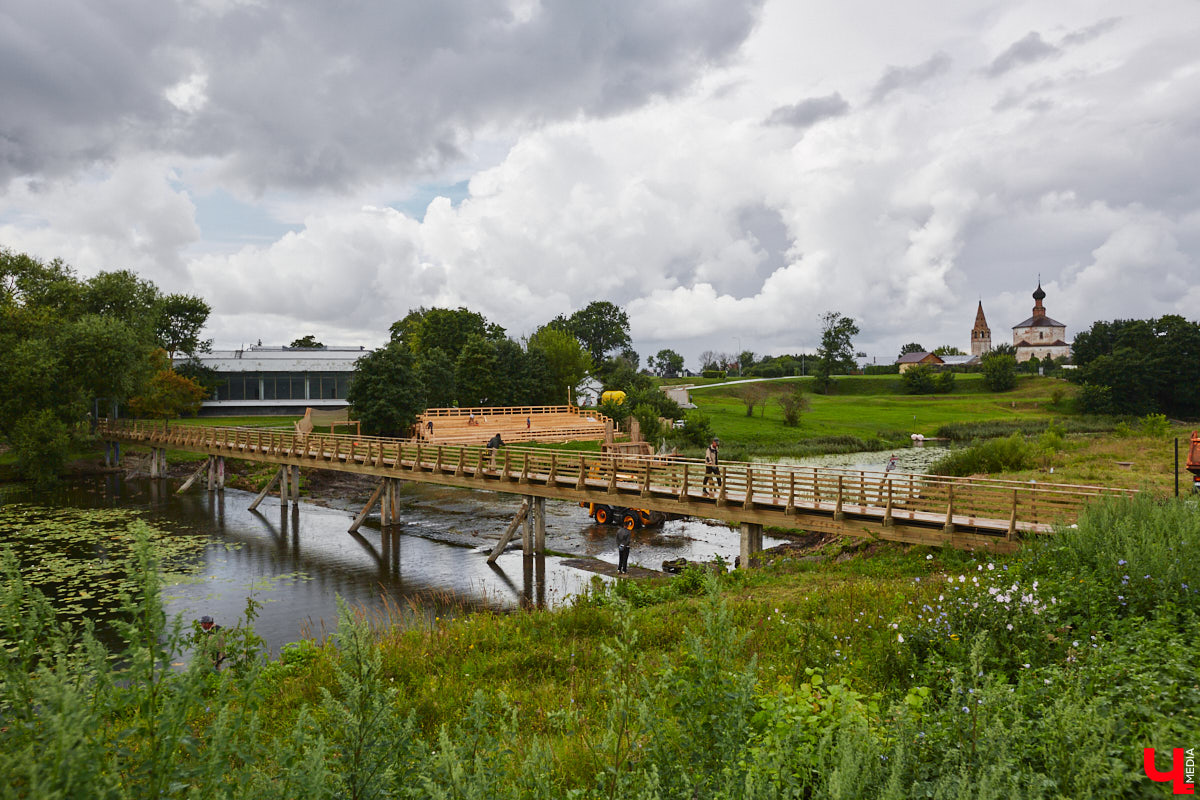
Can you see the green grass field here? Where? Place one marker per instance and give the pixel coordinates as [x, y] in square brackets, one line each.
[870, 408]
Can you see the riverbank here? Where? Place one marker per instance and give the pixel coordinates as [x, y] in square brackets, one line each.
[912, 672]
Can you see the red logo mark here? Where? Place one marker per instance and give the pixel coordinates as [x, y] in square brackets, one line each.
[1181, 774]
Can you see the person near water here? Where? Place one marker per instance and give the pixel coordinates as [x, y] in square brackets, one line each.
[624, 537]
[212, 641]
[891, 465]
[711, 470]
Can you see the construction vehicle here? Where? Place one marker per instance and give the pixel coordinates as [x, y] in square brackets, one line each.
[1193, 462]
[628, 518]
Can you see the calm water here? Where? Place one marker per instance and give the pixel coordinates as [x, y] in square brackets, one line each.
[297, 562]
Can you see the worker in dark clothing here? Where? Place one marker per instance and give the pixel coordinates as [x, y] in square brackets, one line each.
[624, 537]
[711, 470]
[494, 444]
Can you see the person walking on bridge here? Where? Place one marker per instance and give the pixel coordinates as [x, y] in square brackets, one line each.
[711, 470]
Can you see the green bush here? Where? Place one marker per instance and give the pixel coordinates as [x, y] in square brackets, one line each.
[1010, 454]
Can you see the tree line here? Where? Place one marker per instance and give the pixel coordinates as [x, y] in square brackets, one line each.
[74, 348]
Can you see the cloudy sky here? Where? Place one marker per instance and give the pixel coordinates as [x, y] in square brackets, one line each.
[725, 170]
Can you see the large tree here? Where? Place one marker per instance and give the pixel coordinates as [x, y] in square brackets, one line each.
[666, 364]
[449, 329]
[385, 393]
[565, 358]
[475, 373]
[911, 347]
[179, 320]
[436, 371]
[836, 352]
[600, 327]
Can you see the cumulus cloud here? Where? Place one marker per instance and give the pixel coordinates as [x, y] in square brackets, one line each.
[309, 94]
[622, 155]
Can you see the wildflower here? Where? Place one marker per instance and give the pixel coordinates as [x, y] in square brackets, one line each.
[962, 578]
[966, 709]
[929, 557]
[900, 638]
[991, 567]
[1122, 563]
[1009, 626]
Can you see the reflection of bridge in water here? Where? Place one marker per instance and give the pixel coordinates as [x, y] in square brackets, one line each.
[920, 509]
[279, 541]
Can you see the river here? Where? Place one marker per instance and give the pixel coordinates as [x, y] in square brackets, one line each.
[296, 563]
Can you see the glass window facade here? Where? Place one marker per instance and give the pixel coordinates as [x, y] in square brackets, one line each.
[291, 386]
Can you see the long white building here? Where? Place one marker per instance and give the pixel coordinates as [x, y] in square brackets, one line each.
[279, 380]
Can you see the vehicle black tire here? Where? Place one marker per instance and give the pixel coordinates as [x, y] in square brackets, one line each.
[602, 515]
[629, 522]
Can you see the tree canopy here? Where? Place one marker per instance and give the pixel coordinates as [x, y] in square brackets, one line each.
[666, 364]
[601, 327]
[835, 355]
[69, 344]
[1140, 366]
[385, 392]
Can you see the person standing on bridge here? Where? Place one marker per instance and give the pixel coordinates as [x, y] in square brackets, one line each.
[624, 537]
[711, 470]
[494, 444]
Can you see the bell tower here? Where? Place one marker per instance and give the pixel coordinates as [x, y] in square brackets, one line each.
[981, 334]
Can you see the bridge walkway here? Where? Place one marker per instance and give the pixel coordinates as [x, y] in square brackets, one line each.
[923, 509]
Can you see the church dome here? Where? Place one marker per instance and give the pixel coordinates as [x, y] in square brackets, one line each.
[1038, 294]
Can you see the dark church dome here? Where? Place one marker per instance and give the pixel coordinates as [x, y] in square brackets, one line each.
[1038, 294]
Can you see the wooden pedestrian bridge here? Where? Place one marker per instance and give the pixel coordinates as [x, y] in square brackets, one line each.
[969, 513]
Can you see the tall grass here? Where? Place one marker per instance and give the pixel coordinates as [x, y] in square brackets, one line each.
[939, 675]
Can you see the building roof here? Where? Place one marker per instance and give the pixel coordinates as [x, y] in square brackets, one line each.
[257, 358]
[1039, 322]
[958, 361]
[915, 358]
[1055, 343]
[980, 320]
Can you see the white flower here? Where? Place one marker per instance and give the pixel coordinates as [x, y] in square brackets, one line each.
[1009, 626]
[900, 638]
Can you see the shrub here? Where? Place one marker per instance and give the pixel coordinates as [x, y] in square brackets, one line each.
[999, 371]
[1156, 426]
[997, 455]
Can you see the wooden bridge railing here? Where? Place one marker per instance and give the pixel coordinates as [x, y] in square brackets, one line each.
[646, 481]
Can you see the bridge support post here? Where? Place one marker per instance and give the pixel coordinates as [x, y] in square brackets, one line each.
[527, 528]
[539, 525]
[200, 471]
[212, 473]
[295, 486]
[752, 533]
[283, 487]
[220, 474]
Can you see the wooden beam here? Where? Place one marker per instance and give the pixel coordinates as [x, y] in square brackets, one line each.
[188, 483]
[508, 532]
[362, 515]
[270, 485]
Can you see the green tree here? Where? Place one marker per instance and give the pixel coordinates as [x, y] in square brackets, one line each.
[436, 372]
[948, 350]
[306, 341]
[180, 318]
[600, 327]
[449, 329]
[918, 379]
[836, 352]
[124, 296]
[793, 404]
[475, 371]
[1148, 366]
[566, 359]
[911, 347]
[509, 377]
[999, 371]
[385, 393]
[666, 364]
[167, 394]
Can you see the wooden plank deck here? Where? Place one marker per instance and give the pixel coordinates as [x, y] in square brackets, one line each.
[925, 509]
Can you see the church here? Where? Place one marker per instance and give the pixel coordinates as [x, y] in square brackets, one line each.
[1040, 335]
